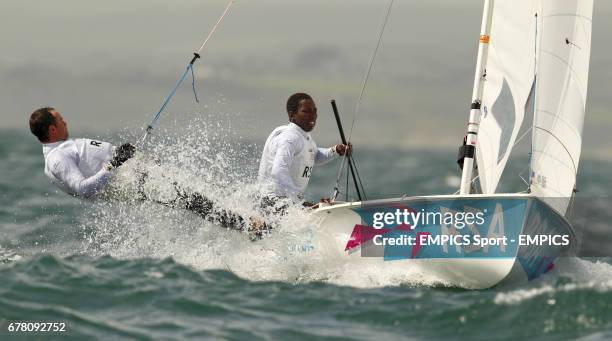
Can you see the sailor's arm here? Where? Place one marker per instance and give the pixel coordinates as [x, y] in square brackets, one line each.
[324, 155]
[281, 169]
[67, 171]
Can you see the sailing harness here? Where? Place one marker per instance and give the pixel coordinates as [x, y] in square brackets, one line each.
[196, 56]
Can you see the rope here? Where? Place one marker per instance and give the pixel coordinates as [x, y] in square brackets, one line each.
[151, 125]
[212, 31]
[195, 94]
[367, 75]
[365, 82]
[336, 189]
[359, 179]
[347, 185]
[514, 145]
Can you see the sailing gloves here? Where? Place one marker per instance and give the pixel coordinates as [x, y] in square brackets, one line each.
[122, 154]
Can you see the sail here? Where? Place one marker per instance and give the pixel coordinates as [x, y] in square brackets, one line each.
[563, 65]
[510, 76]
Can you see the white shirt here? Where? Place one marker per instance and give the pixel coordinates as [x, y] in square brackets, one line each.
[287, 161]
[78, 166]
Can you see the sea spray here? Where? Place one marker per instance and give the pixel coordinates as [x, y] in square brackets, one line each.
[207, 159]
[210, 159]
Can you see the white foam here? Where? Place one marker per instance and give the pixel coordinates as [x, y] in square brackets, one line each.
[150, 230]
[8, 256]
[584, 274]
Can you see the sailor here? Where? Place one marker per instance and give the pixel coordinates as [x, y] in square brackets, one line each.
[83, 167]
[290, 153]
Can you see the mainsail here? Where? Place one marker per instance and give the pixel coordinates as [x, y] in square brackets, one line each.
[510, 76]
[563, 66]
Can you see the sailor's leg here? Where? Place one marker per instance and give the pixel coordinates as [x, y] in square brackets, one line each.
[272, 204]
[205, 208]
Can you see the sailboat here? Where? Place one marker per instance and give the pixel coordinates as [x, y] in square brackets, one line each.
[532, 65]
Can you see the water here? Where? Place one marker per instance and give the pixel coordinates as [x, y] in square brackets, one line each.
[122, 269]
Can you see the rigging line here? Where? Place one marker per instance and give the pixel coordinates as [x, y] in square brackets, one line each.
[347, 183]
[365, 197]
[574, 73]
[518, 140]
[562, 145]
[196, 55]
[164, 104]
[229, 4]
[514, 145]
[535, 99]
[344, 164]
[193, 86]
[367, 75]
[343, 139]
[528, 183]
[336, 189]
[357, 174]
[365, 82]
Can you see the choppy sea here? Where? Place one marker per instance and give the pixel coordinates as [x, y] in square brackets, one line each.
[120, 269]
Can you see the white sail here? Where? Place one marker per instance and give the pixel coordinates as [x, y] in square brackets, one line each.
[563, 65]
[509, 80]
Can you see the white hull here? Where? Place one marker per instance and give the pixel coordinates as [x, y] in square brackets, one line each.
[452, 265]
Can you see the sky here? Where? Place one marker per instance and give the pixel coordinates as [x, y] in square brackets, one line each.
[108, 65]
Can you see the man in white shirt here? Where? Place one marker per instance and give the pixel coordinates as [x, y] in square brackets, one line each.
[83, 167]
[80, 167]
[290, 153]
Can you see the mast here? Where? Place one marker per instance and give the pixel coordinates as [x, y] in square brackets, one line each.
[479, 78]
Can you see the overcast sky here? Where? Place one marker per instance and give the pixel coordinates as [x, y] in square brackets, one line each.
[107, 65]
